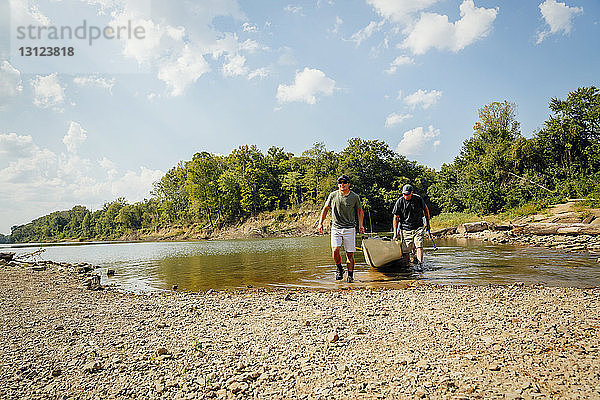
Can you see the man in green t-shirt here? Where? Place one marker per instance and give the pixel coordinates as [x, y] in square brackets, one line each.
[346, 207]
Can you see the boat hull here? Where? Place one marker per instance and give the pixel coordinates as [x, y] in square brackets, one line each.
[381, 252]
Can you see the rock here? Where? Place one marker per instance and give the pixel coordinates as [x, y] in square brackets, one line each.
[93, 282]
[92, 366]
[7, 256]
[494, 367]
[421, 392]
[333, 337]
[361, 330]
[471, 227]
[238, 387]
[174, 287]
[289, 297]
[38, 268]
[161, 351]
[110, 272]
[84, 269]
[56, 372]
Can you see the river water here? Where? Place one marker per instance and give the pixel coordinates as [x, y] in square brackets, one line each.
[306, 262]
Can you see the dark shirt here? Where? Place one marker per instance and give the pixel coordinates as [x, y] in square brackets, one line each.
[410, 212]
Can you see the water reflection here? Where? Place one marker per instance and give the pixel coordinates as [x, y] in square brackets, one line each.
[306, 262]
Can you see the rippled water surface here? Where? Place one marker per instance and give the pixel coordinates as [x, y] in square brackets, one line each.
[306, 262]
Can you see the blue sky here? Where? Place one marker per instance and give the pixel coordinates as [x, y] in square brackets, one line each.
[216, 74]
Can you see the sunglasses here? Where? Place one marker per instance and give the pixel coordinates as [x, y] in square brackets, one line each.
[343, 182]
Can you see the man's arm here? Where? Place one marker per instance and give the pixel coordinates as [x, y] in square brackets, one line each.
[427, 217]
[322, 218]
[361, 216]
[395, 226]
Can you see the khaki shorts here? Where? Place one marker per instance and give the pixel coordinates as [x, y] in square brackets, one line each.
[412, 237]
[345, 236]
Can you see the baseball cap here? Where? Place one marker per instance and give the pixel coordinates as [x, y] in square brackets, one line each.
[343, 178]
[407, 189]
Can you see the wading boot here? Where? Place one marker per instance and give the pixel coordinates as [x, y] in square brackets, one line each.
[339, 274]
[350, 276]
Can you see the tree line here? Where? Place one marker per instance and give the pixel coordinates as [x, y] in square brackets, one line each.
[497, 169]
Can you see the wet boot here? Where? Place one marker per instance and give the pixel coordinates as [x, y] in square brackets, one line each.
[350, 276]
[339, 274]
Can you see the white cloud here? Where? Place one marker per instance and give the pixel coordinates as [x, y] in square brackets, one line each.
[398, 61]
[106, 163]
[293, 9]
[423, 98]
[287, 57]
[336, 25]
[95, 81]
[37, 181]
[435, 31]
[259, 73]
[236, 66]
[188, 67]
[75, 136]
[135, 186]
[307, 85]
[10, 82]
[47, 91]
[179, 47]
[415, 140]
[23, 13]
[400, 10]
[13, 146]
[558, 17]
[247, 27]
[394, 119]
[366, 32]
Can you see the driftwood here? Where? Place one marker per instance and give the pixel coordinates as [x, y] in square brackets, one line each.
[32, 255]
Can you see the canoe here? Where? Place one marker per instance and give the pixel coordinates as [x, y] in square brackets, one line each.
[380, 252]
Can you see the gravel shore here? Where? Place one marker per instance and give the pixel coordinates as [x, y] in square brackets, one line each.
[60, 340]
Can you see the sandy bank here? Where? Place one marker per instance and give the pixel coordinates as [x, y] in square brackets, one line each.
[60, 340]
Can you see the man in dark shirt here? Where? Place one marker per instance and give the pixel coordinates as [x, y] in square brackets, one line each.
[409, 211]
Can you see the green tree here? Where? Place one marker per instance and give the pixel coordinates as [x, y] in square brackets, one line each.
[480, 177]
[567, 149]
[202, 184]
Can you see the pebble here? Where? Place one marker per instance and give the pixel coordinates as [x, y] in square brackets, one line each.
[424, 342]
[333, 337]
[92, 366]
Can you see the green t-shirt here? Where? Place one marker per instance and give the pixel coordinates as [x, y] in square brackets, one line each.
[343, 209]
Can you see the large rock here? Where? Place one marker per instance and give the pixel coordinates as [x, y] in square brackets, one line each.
[471, 227]
[549, 228]
[93, 282]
